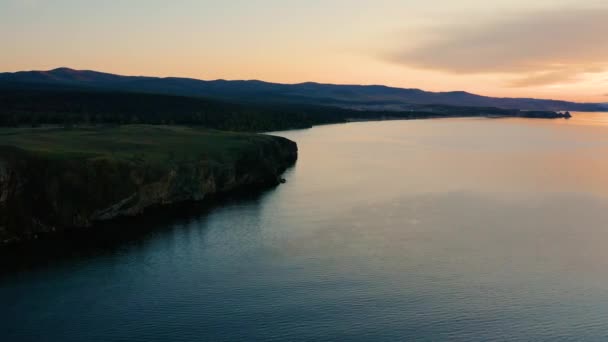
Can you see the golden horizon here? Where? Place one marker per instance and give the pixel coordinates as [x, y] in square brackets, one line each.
[510, 48]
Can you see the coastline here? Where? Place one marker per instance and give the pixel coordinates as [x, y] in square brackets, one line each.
[29, 216]
[44, 192]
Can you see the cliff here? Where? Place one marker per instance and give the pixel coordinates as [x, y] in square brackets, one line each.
[55, 179]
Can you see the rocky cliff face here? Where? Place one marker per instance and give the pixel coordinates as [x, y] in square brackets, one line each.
[41, 195]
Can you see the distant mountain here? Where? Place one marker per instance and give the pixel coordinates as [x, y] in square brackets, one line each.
[362, 97]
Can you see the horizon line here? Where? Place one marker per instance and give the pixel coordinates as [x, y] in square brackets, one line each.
[280, 83]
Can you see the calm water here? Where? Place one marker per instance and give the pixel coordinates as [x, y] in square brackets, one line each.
[455, 229]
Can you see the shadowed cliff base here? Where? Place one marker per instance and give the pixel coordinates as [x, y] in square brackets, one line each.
[108, 237]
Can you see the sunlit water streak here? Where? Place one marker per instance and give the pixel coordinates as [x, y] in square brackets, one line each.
[459, 229]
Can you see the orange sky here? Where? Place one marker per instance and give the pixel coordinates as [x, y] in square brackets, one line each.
[546, 48]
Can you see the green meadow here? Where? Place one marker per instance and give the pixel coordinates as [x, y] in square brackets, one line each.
[153, 144]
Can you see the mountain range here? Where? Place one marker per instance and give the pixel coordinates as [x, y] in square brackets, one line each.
[360, 97]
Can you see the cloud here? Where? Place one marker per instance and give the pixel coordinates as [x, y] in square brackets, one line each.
[545, 77]
[537, 48]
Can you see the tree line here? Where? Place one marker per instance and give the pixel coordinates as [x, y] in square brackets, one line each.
[35, 107]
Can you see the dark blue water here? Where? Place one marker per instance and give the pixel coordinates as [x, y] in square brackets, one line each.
[457, 229]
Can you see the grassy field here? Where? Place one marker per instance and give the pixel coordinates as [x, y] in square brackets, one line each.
[154, 144]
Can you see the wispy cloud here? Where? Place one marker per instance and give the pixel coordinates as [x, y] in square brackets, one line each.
[535, 48]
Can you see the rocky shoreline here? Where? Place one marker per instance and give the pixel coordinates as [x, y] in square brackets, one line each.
[41, 195]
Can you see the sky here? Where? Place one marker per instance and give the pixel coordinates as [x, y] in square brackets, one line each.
[516, 48]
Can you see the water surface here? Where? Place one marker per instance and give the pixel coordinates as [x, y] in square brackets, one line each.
[451, 229]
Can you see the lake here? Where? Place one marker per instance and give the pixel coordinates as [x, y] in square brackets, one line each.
[450, 229]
